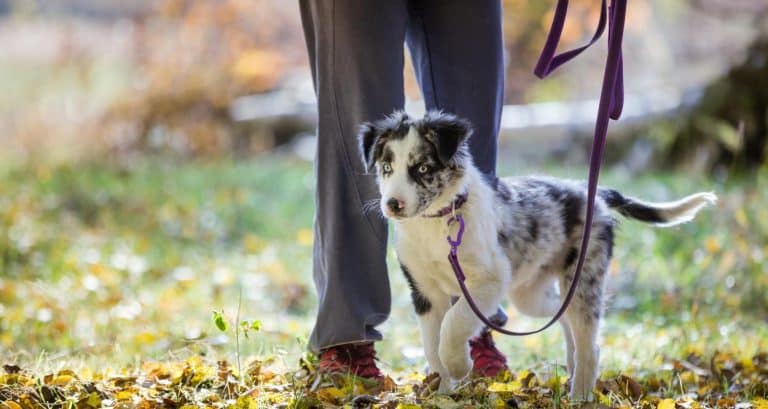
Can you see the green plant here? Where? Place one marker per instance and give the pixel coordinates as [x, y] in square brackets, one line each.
[244, 327]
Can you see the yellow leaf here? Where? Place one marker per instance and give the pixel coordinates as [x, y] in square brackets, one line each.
[9, 405]
[556, 381]
[513, 386]
[94, 400]
[666, 404]
[253, 243]
[445, 402]
[62, 380]
[124, 395]
[408, 406]
[275, 268]
[760, 403]
[144, 338]
[711, 244]
[414, 377]
[245, 402]
[746, 362]
[695, 349]
[304, 237]
[603, 399]
[688, 377]
[330, 394]
[500, 404]
[704, 389]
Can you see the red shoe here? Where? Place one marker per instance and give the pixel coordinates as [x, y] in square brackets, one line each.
[487, 360]
[353, 359]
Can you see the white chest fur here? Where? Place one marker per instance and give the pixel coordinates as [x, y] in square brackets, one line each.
[421, 245]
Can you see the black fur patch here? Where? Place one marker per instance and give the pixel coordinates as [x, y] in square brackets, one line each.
[612, 197]
[503, 239]
[502, 191]
[368, 136]
[533, 229]
[420, 303]
[388, 155]
[445, 131]
[371, 136]
[630, 208]
[571, 203]
[427, 157]
[571, 257]
[606, 236]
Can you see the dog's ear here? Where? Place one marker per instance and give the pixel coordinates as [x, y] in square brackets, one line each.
[368, 138]
[446, 132]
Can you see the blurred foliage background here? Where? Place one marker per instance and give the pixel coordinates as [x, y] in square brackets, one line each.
[156, 165]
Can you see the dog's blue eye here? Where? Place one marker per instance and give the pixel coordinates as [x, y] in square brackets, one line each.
[386, 167]
[423, 169]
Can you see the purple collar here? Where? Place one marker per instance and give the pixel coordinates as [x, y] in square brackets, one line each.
[452, 207]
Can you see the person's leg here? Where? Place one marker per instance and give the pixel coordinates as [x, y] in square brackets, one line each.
[356, 53]
[457, 50]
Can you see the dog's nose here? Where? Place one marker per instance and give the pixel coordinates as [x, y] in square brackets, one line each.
[395, 205]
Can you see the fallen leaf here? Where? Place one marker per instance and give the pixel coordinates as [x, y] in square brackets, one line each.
[666, 404]
[331, 394]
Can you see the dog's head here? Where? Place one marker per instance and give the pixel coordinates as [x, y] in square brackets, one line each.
[415, 160]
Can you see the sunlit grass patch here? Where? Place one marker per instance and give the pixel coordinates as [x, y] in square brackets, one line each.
[120, 261]
[107, 267]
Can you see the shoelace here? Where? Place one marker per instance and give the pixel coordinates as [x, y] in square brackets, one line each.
[359, 358]
[484, 353]
[364, 358]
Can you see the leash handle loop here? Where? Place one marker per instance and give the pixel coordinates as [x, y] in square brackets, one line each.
[611, 103]
[548, 61]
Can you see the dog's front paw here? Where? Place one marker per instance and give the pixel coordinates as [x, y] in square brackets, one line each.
[581, 391]
[446, 385]
[456, 360]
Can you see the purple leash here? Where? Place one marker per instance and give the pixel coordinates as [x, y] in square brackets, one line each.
[611, 103]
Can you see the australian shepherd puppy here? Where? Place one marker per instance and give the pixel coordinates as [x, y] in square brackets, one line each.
[520, 244]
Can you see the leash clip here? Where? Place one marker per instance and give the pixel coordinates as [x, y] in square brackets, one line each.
[453, 257]
[459, 235]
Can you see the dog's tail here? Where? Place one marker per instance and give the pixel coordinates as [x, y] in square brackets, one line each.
[659, 214]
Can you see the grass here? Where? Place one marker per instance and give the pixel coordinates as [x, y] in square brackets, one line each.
[110, 266]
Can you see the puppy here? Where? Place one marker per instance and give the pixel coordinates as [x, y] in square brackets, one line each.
[521, 240]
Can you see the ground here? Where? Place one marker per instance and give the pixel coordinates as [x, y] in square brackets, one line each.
[111, 273]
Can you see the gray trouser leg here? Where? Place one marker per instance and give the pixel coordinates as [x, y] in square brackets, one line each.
[356, 54]
[457, 50]
[355, 50]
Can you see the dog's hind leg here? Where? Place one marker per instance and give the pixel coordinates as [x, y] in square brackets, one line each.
[583, 320]
[587, 355]
[541, 299]
[569, 346]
